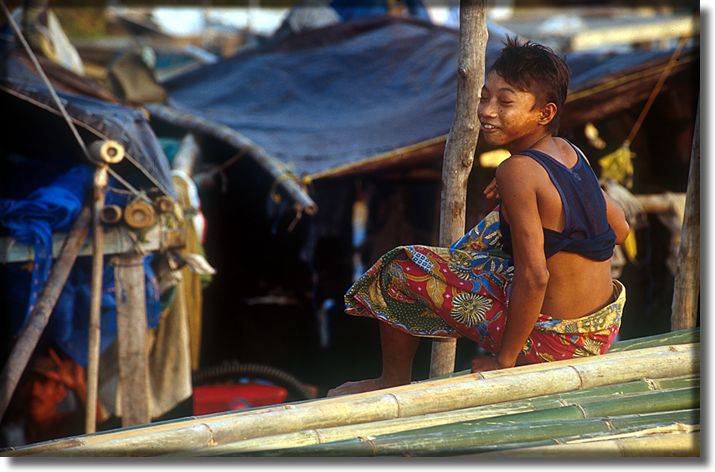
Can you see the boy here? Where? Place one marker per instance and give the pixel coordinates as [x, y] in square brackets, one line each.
[531, 282]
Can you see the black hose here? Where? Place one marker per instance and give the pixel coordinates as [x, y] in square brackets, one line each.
[235, 369]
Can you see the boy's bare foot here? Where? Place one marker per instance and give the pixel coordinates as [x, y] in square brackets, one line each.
[358, 387]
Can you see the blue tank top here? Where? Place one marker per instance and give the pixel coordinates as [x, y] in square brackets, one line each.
[586, 231]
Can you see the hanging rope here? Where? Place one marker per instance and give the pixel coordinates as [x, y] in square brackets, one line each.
[618, 165]
[656, 89]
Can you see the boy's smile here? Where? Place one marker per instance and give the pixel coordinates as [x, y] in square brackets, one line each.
[508, 116]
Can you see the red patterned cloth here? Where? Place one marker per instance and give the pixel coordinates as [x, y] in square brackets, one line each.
[464, 290]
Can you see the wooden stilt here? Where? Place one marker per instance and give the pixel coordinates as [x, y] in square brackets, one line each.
[40, 315]
[686, 293]
[95, 304]
[131, 339]
[459, 150]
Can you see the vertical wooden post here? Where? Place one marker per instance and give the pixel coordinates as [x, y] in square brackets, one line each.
[40, 314]
[460, 147]
[104, 152]
[131, 339]
[95, 302]
[686, 292]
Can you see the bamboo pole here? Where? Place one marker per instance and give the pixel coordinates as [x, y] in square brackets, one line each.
[459, 149]
[104, 153]
[271, 165]
[131, 339]
[405, 401]
[484, 436]
[670, 441]
[686, 293]
[40, 314]
[187, 155]
[338, 433]
[683, 336]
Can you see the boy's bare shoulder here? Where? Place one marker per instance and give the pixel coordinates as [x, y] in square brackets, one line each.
[518, 168]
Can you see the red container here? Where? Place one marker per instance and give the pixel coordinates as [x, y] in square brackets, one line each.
[227, 397]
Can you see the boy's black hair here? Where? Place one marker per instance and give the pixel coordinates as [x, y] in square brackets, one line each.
[537, 69]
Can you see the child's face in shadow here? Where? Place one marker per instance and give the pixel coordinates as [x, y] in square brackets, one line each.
[509, 117]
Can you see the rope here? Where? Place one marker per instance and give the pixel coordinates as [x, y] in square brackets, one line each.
[656, 90]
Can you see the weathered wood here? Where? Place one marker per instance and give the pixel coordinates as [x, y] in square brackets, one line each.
[460, 147]
[271, 165]
[40, 314]
[656, 203]
[686, 293]
[117, 240]
[131, 339]
[405, 401]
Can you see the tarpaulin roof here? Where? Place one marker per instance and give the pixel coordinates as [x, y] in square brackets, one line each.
[353, 92]
[145, 164]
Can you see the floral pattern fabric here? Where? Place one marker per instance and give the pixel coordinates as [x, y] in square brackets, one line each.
[464, 290]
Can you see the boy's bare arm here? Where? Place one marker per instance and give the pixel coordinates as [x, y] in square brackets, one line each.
[616, 218]
[515, 178]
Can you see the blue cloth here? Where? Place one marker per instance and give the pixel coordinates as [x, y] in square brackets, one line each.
[586, 231]
[32, 220]
[46, 210]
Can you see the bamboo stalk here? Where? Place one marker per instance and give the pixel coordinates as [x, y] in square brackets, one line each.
[460, 146]
[167, 426]
[187, 155]
[652, 402]
[337, 433]
[482, 437]
[90, 424]
[683, 336]
[667, 444]
[660, 362]
[40, 314]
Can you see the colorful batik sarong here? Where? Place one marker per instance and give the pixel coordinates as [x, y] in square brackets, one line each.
[464, 290]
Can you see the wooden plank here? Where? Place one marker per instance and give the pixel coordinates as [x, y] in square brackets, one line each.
[131, 339]
[117, 240]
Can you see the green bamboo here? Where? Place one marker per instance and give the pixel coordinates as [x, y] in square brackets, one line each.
[615, 393]
[637, 404]
[482, 437]
[405, 401]
[672, 444]
[682, 336]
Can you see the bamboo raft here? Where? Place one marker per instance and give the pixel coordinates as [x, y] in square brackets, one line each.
[640, 399]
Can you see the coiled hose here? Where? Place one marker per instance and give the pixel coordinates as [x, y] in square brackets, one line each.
[231, 370]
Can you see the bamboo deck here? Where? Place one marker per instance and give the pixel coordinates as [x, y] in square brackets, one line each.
[640, 399]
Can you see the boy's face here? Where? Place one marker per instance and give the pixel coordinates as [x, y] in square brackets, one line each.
[508, 116]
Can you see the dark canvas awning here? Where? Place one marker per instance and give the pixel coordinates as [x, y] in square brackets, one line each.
[360, 94]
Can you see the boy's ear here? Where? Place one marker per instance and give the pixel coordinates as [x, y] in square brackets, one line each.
[547, 113]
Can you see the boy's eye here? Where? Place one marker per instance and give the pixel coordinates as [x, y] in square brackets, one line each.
[506, 102]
